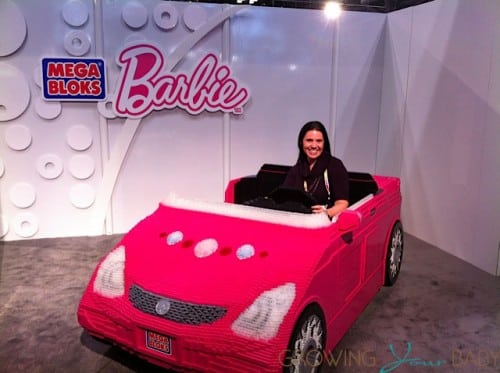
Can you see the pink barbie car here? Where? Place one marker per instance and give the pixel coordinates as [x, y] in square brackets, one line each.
[243, 286]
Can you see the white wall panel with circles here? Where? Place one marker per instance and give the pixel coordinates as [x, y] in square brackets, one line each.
[59, 148]
[38, 136]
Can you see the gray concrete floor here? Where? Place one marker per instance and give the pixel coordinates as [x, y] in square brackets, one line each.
[443, 315]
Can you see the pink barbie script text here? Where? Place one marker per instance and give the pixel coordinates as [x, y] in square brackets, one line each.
[144, 87]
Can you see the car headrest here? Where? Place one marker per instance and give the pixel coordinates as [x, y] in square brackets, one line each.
[269, 177]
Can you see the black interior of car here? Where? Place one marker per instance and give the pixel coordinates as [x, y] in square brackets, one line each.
[265, 190]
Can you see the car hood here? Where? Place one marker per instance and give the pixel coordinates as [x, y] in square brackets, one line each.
[201, 256]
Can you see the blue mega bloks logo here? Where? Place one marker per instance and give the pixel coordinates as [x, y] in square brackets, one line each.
[74, 79]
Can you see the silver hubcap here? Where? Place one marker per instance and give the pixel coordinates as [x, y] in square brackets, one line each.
[396, 252]
[308, 347]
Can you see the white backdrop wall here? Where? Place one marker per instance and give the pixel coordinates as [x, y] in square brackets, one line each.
[414, 93]
[440, 124]
[72, 169]
[49, 151]
[359, 89]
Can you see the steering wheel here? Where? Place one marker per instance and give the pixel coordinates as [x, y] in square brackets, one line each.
[290, 199]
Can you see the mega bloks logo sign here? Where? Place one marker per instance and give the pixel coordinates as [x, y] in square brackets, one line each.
[144, 84]
[71, 79]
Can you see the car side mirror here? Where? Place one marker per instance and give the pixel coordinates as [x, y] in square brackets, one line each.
[348, 221]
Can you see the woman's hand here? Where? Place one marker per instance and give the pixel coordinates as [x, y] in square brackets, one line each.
[319, 209]
[339, 206]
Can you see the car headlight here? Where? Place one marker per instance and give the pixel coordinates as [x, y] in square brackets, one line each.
[109, 281]
[263, 318]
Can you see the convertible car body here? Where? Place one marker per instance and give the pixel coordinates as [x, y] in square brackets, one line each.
[232, 287]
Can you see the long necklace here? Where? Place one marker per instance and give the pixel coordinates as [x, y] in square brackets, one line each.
[314, 185]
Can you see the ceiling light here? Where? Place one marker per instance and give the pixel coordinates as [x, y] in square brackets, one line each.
[332, 9]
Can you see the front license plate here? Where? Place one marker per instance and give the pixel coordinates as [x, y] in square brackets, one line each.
[159, 342]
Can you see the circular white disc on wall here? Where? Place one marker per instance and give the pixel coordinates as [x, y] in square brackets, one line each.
[194, 17]
[82, 196]
[165, 16]
[75, 13]
[47, 109]
[134, 14]
[81, 166]
[79, 137]
[77, 42]
[15, 93]
[105, 108]
[22, 195]
[18, 137]
[12, 28]
[49, 166]
[25, 224]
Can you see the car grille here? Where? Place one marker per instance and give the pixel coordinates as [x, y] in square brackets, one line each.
[181, 312]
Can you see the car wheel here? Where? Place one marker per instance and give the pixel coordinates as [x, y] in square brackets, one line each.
[394, 255]
[305, 350]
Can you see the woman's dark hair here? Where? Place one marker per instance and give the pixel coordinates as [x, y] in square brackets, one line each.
[313, 125]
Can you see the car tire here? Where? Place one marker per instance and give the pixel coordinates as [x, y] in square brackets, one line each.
[394, 255]
[305, 350]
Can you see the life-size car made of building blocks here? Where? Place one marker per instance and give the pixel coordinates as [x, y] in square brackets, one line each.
[230, 287]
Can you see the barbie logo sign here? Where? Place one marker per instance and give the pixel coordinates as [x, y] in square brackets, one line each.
[143, 86]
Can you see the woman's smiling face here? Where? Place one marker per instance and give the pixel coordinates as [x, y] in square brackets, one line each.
[313, 144]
